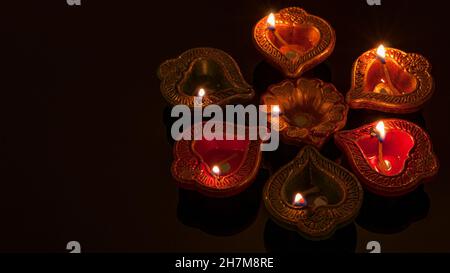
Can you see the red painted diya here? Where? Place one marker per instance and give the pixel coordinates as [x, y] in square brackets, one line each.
[313, 195]
[390, 80]
[216, 168]
[294, 41]
[206, 72]
[390, 157]
[310, 110]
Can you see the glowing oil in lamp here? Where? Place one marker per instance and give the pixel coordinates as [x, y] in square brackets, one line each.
[291, 51]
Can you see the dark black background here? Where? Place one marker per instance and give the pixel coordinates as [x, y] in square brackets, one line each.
[83, 149]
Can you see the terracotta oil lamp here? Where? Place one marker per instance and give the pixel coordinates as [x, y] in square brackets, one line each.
[390, 157]
[313, 195]
[310, 111]
[209, 71]
[293, 40]
[216, 168]
[390, 80]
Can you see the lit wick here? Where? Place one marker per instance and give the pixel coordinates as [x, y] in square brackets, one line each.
[275, 116]
[381, 53]
[276, 109]
[271, 27]
[201, 92]
[380, 132]
[198, 100]
[299, 201]
[216, 170]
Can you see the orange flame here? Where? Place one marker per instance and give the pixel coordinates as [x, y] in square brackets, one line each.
[381, 130]
[381, 52]
[271, 20]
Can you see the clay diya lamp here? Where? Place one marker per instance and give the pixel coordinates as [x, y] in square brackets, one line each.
[293, 40]
[207, 72]
[310, 111]
[216, 168]
[313, 195]
[390, 80]
[390, 157]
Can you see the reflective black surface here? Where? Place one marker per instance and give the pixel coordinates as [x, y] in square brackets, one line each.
[85, 152]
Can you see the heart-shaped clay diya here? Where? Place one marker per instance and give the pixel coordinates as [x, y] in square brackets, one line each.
[313, 195]
[390, 80]
[217, 167]
[293, 40]
[206, 70]
[394, 165]
[310, 110]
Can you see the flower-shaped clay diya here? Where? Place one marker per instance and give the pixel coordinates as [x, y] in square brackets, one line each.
[294, 41]
[208, 71]
[389, 80]
[390, 157]
[313, 195]
[310, 110]
[217, 168]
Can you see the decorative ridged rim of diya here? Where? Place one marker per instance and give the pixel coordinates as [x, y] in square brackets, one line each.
[210, 69]
[316, 40]
[419, 164]
[310, 110]
[338, 195]
[413, 64]
[192, 170]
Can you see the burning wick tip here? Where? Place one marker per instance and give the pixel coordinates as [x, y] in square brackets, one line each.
[201, 92]
[276, 109]
[299, 200]
[216, 170]
[271, 22]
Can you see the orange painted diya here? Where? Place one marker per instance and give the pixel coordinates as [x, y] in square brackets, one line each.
[390, 80]
[293, 40]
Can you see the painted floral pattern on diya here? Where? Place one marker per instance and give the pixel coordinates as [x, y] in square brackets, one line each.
[395, 165]
[396, 82]
[310, 110]
[313, 195]
[217, 168]
[293, 40]
[209, 70]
